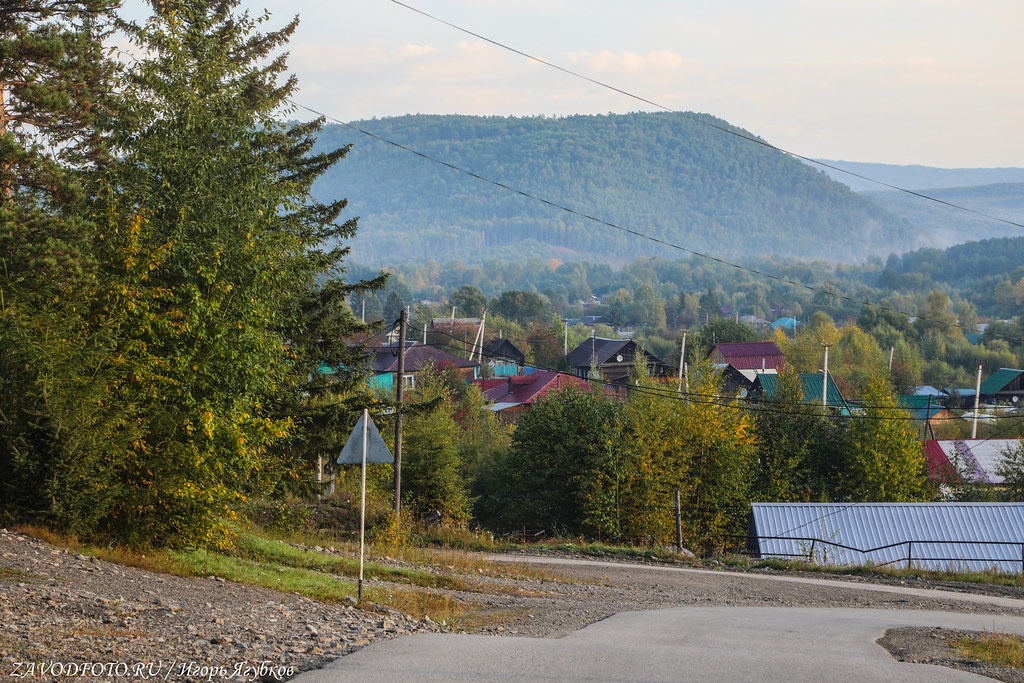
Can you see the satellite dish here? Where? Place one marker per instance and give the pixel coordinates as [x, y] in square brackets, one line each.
[618, 358]
[1016, 398]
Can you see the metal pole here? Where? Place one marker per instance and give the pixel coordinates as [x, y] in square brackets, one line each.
[824, 381]
[565, 344]
[682, 360]
[362, 506]
[679, 524]
[977, 398]
[403, 319]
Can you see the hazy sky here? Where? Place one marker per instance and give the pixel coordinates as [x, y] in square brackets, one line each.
[934, 82]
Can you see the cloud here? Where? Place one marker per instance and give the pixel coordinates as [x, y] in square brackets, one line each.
[626, 61]
[417, 51]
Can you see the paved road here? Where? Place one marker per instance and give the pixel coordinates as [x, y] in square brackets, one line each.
[693, 643]
[974, 598]
[678, 644]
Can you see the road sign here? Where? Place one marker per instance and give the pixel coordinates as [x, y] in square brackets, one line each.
[376, 450]
[365, 444]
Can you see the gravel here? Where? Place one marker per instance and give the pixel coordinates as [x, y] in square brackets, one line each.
[75, 614]
[67, 615]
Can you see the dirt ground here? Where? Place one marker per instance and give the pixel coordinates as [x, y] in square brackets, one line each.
[62, 609]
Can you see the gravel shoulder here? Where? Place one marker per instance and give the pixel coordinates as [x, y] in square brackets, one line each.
[66, 609]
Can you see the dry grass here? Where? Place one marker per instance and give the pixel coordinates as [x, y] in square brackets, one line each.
[1001, 649]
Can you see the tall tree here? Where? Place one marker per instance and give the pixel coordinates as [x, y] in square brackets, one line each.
[244, 301]
[58, 430]
[561, 471]
[886, 461]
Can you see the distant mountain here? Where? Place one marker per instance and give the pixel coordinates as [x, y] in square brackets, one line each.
[916, 177]
[664, 175]
[947, 226]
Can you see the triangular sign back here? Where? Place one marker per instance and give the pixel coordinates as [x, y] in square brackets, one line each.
[376, 450]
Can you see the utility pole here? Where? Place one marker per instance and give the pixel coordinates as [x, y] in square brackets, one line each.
[682, 359]
[824, 380]
[565, 344]
[977, 399]
[403, 321]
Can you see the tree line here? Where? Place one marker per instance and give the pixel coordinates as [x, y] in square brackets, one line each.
[605, 466]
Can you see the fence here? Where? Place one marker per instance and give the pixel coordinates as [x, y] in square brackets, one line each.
[818, 551]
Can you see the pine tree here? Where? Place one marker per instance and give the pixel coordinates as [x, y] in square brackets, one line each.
[241, 300]
[58, 430]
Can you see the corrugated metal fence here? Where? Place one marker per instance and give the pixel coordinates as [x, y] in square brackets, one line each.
[949, 536]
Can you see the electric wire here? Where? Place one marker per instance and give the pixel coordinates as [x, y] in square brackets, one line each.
[767, 406]
[636, 233]
[698, 119]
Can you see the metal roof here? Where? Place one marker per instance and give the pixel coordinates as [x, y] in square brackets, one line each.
[959, 536]
[999, 380]
[980, 455]
[749, 355]
[811, 382]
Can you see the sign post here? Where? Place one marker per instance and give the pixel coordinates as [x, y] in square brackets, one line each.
[365, 444]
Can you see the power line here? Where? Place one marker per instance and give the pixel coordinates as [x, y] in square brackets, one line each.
[700, 120]
[636, 233]
[714, 399]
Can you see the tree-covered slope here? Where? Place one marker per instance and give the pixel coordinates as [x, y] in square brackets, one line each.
[947, 226]
[661, 174]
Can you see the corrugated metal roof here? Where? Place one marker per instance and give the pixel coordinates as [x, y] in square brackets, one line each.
[999, 379]
[750, 355]
[981, 455]
[959, 536]
[811, 383]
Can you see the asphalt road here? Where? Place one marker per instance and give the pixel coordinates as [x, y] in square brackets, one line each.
[694, 643]
[685, 643]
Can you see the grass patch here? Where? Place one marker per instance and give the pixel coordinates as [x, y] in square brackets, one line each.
[15, 574]
[1001, 649]
[311, 583]
[601, 550]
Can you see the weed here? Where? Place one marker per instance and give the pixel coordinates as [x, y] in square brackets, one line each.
[1001, 649]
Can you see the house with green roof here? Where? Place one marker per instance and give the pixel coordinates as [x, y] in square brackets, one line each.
[766, 387]
[1005, 384]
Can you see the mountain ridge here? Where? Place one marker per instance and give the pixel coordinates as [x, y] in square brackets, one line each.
[667, 176]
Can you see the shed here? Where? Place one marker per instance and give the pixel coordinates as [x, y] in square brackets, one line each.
[935, 536]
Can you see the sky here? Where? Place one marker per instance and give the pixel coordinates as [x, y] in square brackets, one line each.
[930, 82]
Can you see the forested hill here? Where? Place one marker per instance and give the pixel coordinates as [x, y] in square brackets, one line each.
[661, 174]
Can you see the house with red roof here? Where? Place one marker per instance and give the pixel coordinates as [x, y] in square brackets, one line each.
[949, 460]
[509, 396]
[748, 356]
